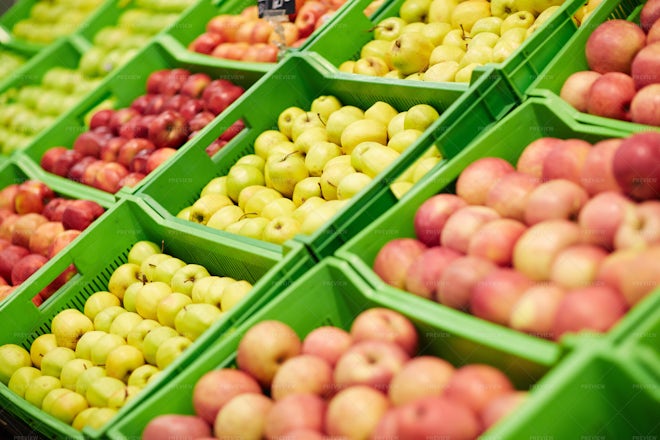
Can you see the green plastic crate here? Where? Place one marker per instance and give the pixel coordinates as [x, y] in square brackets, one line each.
[330, 294]
[124, 85]
[535, 118]
[126, 223]
[346, 35]
[297, 81]
[593, 394]
[550, 80]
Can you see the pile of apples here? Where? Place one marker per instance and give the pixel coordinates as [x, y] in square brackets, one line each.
[623, 80]
[567, 240]
[444, 40]
[36, 224]
[9, 62]
[246, 37]
[95, 360]
[49, 20]
[303, 172]
[368, 382]
[123, 145]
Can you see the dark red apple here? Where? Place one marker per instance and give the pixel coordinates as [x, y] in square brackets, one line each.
[130, 148]
[79, 214]
[131, 179]
[206, 42]
[89, 143]
[49, 158]
[121, 117]
[168, 130]
[200, 120]
[191, 108]
[101, 118]
[108, 176]
[172, 84]
[9, 256]
[54, 209]
[636, 165]
[25, 267]
[157, 157]
[155, 80]
[78, 169]
[65, 162]
[195, 84]
[110, 151]
[232, 131]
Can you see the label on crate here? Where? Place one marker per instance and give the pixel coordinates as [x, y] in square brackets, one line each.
[276, 7]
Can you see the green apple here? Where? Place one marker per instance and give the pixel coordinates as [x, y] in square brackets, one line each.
[279, 207]
[389, 28]
[410, 52]
[153, 339]
[309, 137]
[141, 250]
[183, 279]
[285, 120]
[252, 227]
[318, 155]
[253, 160]
[376, 158]
[331, 177]
[324, 105]
[68, 325]
[282, 172]
[98, 392]
[104, 346]
[371, 66]
[320, 216]
[148, 266]
[241, 176]
[120, 397]
[87, 377]
[166, 269]
[340, 119]
[209, 290]
[521, 19]
[39, 347]
[207, 205]
[99, 301]
[103, 320]
[306, 207]
[53, 361]
[93, 417]
[142, 375]
[39, 387]
[72, 370]
[149, 296]
[21, 378]
[128, 302]
[257, 201]
[170, 350]
[86, 342]
[404, 139]
[225, 216]
[267, 139]
[122, 361]
[217, 185]
[415, 26]
[123, 276]
[194, 319]
[351, 185]
[306, 188]
[381, 111]
[124, 323]
[420, 117]
[136, 336]
[279, 230]
[246, 193]
[169, 306]
[303, 122]
[64, 404]
[466, 13]
[414, 10]
[234, 293]
[396, 124]
[361, 131]
[283, 149]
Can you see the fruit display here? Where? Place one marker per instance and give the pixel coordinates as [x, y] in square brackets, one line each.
[122, 145]
[622, 80]
[36, 224]
[96, 359]
[46, 21]
[10, 61]
[303, 172]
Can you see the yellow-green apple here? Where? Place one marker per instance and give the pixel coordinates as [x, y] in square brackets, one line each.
[520, 19]
[210, 289]
[295, 412]
[243, 416]
[444, 53]
[40, 346]
[104, 345]
[285, 120]
[320, 216]
[402, 140]
[193, 319]
[381, 111]
[389, 28]
[462, 224]
[327, 342]
[352, 184]
[103, 319]
[264, 347]
[68, 325]
[441, 71]
[99, 392]
[267, 139]
[576, 87]
[233, 293]
[128, 302]
[120, 397]
[340, 119]
[39, 387]
[487, 24]
[331, 176]
[475, 385]
[436, 31]
[643, 107]
[64, 404]
[95, 418]
[142, 375]
[612, 46]
[611, 95]
[169, 306]
[538, 246]
[602, 215]
[225, 216]
[309, 137]
[534, 312]
[99, 301]
[302, 374]
[395, 257]
[284, 171]
[421, 376]
[124, 323]
[501, 407]
[258, 201]
[21, 378]
[72, 370]
[87, 377]
[384, 324]
[593, 308]
[307, 206]
[86, 342]
[458, 279]
[476, 179]
[376, 159]
[641, 230]
[494, 296]
[503, 49]
[437, 415]
[420, 116]
[123, 276]
[423, 275]
[508, 195]
[241, 176]
[184, 278]
[53, 361]
[154, 339]
[633, 165]
[246, 194]
[369, 362]
[554, 199]
[396, 124]
[149, 296]
[597, 172]
[207, 205]
[338, 421]
[217, 185]
[305, 121]
[175, 426]
[148, 266]
[441, 10]
[280, 207]
[136, 335]
[324, 105]
[577, 265]
[356, 154]
[414, 10]
[170, 350]
[318, 155]
[410, 52]
[371, 65]
[466, 13]
[216, 388]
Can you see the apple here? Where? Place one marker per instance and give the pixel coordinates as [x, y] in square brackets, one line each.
[431, 216]
[9, 257]
[397, 255]
[508, 195]
[54, 361]
[436, 416]
[494, 296]
[535, 310]
[79, 214]
[103, 346]
[423, 275]
[653, 33]
[327, 342]
[243, 415]
[295, 412]
[21, 378]
[371, 404]
[475, 385]
[68, 326]
[89, 143]
[193, 319]
[644, 68]
[575, 89]
[98, 393]
[597, 171]
[32, 196]
[216, 388]
[40, 346]
[370, 362]
[633, 168]
[611, 95]
[142, 375]
[643, 108]
[475, 181]
[649, 15]
[99, 301]
[103, 320]
[123, 323]
[640, 230]
[501, 407]
[421, 376]
[458, 279]
[170, 350]
[577, 266]
[12, 357]
[42, 237]
[72, 370]
[601, 217]
[86, 342]
[87, 377]
[612, 46]
[176, 426]
[303, 374]
[462, 225]
[555, 199]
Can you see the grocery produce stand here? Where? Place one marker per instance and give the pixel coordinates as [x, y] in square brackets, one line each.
[587, 385]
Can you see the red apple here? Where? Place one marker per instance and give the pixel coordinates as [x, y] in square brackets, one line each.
[395, 257]
[168, 130]
[303, 374]
[219, 99]
[25, 267]
[216, 387]
[121, 117]
[62, 240]
[157, 157]
[295, 412]
[645, 67]
[55, 208]
[89, 143]
[535, 311]
[200, 120]
[7, 225]
[129, 149]
[476, 385]
[555, 199]
[131, 179]
[653, 34]
[379, 323]
[155, 81]
[566, 160]
[577, 265]
[645, 106]
[78, 169]
[110, 150]
[501, 407]
[340, 417]
[532, 157]
[494, 296]
[635, 165]
[463, 224]
[307, 17]
[101, 118]
[9, 256]
[508, 196]
[25, 227]
[206, 42]
[214, 147]
[79, 214]
[421, 376]
[138, 127]
[642, 229]
[32, 196]
[371, 363]
[327, 342]
[231, 131]
[476, 180]
[437, 417]
[612, 46]
[108, 176]
[576, 87]
[602, 215]
[49, 158]
[597, 174]
[649, 14]
[424, 274]
[458, 279]
[7, 195]
[610, 96]
[431, 215]
[496, 240]
[176, 426]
